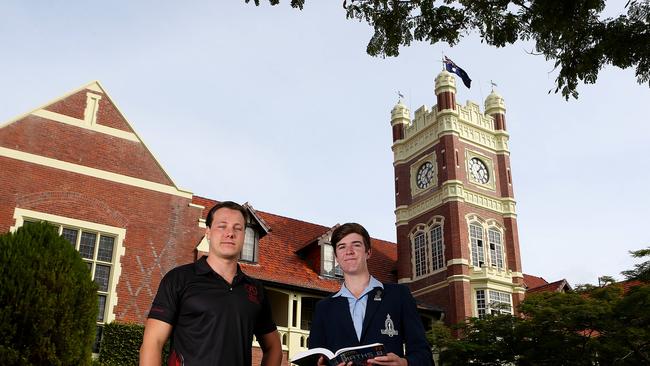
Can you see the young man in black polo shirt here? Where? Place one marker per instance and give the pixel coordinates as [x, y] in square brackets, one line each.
[211, 308]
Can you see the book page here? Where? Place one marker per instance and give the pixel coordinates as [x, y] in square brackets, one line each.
[356, 347]
[310, 357]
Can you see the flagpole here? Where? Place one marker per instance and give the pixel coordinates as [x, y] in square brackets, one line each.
[410, 105]
[442, 60]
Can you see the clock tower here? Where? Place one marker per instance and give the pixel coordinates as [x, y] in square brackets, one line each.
[457, 239]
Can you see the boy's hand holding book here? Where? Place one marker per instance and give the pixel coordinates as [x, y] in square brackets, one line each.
[389, 359]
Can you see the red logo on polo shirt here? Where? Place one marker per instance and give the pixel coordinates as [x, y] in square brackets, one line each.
[252, 293]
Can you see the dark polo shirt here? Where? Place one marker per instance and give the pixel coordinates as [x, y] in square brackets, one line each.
[213, 321]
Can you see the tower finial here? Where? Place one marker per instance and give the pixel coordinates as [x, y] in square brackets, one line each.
[400, 96]
[493, 84]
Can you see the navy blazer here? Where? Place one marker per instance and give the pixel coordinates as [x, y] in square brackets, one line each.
[332, 326]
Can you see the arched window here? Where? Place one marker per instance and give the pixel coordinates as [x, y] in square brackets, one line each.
[496, 248]
[476, 240]
[437, 250]
[420, 254]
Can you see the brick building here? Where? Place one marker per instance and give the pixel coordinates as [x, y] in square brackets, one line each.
[457, 236]
[76, 162]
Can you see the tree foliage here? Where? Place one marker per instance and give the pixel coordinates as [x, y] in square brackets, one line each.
[604, 326]
[48, 303]
[595, 325]
[641, 271]
[572, 33]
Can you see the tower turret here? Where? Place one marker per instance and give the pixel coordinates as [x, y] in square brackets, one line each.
[446, 91]
[400, 117]
[495, 106]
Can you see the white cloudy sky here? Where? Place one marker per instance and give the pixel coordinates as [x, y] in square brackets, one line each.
[285, 110]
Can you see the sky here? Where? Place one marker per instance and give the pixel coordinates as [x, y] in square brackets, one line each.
[283, 109]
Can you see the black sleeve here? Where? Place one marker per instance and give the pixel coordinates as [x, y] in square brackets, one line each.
[418, 351]
[166, 303]
[264, 322]
[317, 337]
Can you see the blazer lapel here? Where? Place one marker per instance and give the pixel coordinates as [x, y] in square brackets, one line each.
[343, 308]
[375, 298]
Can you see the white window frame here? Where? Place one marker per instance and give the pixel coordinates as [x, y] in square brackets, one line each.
[490, 301]
[22, 215]
[250, 245]
[491, 253]
[420, 255]
[328, 257]
[495, 248]
[477, 244]
[481, 303]
[436, 234]
[424, 249]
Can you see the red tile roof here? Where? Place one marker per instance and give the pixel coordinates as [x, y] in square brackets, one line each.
[531, 281]
[279, 263]
[557, 286]
[627, 285]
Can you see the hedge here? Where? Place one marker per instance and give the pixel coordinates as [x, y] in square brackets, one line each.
[121, 344]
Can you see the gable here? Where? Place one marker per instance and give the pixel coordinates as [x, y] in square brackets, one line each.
[75, 105]
[79, 131]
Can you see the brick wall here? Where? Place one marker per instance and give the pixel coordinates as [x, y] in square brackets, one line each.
[82, 146]
[161, 229]
[257, 357]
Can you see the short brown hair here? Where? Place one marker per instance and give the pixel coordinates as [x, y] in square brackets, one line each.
[350, 228]
[226, 204]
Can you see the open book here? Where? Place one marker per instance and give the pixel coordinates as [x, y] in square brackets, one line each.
[358, 355]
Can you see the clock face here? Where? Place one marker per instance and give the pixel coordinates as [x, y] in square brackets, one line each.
[425, 175]
[479, 171]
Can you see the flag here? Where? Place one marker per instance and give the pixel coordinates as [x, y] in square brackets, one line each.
[452, 67]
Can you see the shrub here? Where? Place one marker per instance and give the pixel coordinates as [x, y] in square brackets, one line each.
[48, 302]
[121, 344]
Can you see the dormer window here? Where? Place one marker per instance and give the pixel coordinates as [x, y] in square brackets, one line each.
[256, 229]
[249, 252]
[330, 266]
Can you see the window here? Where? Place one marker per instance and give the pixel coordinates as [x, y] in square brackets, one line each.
[427, 245]
[307, 308]
[419, 248]
[330, 265]
[490, 253]
[480, 303]
[249, 251]
[496, 249]
[476, 239]
[100, 247]
[437, 254]
[497, 303]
